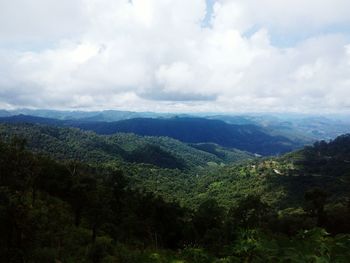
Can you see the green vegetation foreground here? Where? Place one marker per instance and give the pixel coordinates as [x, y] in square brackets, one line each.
[68, 211]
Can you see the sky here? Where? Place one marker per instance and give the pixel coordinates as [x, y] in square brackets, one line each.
[176, 55]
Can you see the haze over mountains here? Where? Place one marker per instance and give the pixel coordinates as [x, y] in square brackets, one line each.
[89, 147]
[175, 131]
[251, 138]
[263, 134]
[108, 196]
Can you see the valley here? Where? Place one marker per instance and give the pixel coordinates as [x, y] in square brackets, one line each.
[118, 186]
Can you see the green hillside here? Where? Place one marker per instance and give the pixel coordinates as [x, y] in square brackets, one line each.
[73, 196]
[74, 144]
[246, 137]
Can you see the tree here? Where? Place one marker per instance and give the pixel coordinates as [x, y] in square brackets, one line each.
[250, 212]
[208, 222]
[315, 201]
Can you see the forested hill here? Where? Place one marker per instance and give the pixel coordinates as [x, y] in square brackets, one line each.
[249, 138]
[66, 143]
[68, 211]
[199, 130]
[323, 159]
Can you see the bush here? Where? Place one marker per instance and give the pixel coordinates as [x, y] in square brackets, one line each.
[100, 249]
[196, 255]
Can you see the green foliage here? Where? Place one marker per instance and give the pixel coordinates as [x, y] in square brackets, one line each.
[250, 212]
[308, 246]
[114, 211]
[153, 154]
[196, 255]
[73, 144]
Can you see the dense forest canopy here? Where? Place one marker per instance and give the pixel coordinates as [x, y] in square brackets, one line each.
[245, 137]
[174, 131]
[73, 196]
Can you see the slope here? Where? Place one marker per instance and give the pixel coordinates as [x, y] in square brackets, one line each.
[198, 130]
[71, 143]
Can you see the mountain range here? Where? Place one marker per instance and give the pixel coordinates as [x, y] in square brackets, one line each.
[109, 196]
[247, 137]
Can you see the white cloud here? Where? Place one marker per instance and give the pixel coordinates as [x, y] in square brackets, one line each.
[156, 55]
[41, 20]
[297, 15]
[176, 77]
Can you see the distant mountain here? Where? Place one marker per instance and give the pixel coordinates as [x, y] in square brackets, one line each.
[300, 128]
[4, 113]
[107, 115]
[32, 119]
[305, 129]
[69, 143]
[250, 138]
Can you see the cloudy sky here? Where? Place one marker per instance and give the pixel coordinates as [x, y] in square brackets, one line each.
[176, 55]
